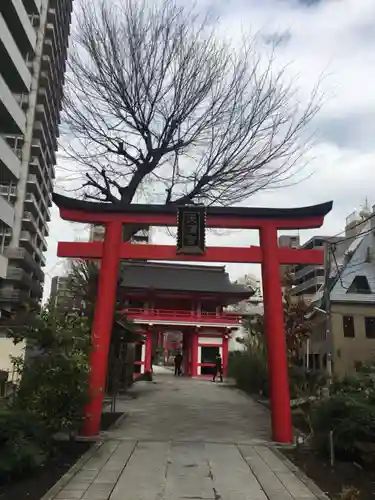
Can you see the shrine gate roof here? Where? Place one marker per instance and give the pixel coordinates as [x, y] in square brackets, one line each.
[180, 277]
[263, 212]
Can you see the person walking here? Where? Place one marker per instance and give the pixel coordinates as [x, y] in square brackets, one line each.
[218, 368]
[178, 364]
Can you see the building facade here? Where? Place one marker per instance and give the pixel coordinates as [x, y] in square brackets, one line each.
[33, 51]
[343, 321]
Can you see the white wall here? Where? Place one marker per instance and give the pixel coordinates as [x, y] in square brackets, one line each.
[8, 349]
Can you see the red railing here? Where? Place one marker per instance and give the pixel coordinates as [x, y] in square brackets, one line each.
[180, 315]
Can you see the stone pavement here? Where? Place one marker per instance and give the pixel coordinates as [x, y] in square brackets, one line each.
[186, 439]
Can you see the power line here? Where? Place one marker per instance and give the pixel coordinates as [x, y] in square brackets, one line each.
[333, 244]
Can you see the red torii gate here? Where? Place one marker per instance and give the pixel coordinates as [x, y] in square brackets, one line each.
[267, 220]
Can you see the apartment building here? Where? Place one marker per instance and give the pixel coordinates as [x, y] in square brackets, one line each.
[343, 318]
[289, 241]
[60, 293]
[61, 296]
[33, 50]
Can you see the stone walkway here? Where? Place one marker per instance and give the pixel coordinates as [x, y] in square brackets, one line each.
[186, 439]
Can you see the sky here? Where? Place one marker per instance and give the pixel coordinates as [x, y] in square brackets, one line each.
[327, 41]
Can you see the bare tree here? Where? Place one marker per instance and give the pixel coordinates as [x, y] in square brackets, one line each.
[159, 108]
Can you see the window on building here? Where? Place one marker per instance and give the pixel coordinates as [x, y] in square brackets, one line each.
[317, 361]
[359, 285]
[311, 361]
[348, 326]
[136, 303]
[324, 361]
[370, 327]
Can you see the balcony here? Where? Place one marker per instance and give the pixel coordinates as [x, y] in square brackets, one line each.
[46, 102]
[3, 266]
[11, 295]
[18, 22]
[12, 118]
[15, 70]
[8, 191]
[27, 239]
[9, 163]
[171, 317]
[34, 186]
[305, 270]
[30, 224]
[24, 280]
[24, 259]
[6, 212]
[32, 6]
[18, 275]
[42, 171]
[41, 132]
[44, 114]
[31, 205]
[308, 287]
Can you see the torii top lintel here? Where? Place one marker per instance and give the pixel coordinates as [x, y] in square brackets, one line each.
[217, 217]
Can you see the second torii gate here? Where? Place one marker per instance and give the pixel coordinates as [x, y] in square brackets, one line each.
[267, 220]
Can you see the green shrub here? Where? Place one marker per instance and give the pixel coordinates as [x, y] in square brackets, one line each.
[249, 370]
[352, 420]
[23, 444]
[54, 383]
[360, 384]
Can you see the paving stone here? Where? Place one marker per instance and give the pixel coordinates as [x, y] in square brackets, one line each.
[77, 485]
[71, 494]
[98, 492]
[295, 486]
[272, 460]
[108, 476]
[238, 484]
[144, 477]
[181, 409]
[85, 475]
[188, 472]
[187, 439]
[102, 455]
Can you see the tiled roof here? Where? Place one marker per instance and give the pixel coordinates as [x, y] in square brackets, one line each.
[160, 276]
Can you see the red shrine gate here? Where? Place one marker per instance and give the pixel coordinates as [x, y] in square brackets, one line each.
[267, 220]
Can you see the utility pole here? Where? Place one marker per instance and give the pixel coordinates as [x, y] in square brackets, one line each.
[327, 304]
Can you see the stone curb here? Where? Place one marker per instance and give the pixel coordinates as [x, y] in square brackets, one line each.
[301, 475]
[64, 480]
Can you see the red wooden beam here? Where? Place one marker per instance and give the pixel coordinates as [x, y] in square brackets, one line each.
[93, 250]
[214, 221]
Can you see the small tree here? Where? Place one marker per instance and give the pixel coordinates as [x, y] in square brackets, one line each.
[158, 108]
[54, 383]
[296, 311]
[83, 285]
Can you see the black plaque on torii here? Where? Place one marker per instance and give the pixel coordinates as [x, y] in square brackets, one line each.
[191, 230]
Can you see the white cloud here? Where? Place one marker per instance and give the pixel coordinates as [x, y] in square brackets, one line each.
[334, 38]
